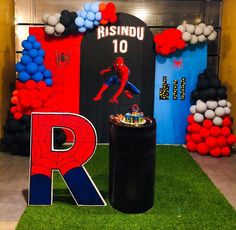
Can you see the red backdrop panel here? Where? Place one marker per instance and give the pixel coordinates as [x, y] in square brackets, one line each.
[63, 59]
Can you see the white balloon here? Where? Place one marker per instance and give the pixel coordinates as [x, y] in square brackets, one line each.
[207, 31]
[220, 112]
[229, 104]
[181, 28]
[203, 25]
[52, 20]
[193, 109]
[186, 36]
[217, 121]
[198, 117]
[190, 28]
[57, 35]
[194, 39]
[210, 27]
[212, 36]
[44, 18]
[227, 110]
[222, 103]
[199, 101]
[49, 30]
[199, 30]
[58, 15]
[59, 28]
[209, 114]
[212, 105]
[201, 38]
[201, 107]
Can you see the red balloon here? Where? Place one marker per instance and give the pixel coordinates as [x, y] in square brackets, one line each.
[204, 132]
[13, 109]
[195, 127]
[14, 100]
[36, 104]
[15, 92]
[190, 119]
[207, 124]
[41, 85]
[165, 50]
[225, 131]
[187, 137]
[17, 116]
[196, 138]
[111, 7]
[225, 151]
[231, 139]
[113, 19]
[215, 131]
[191, 146]
[227, 122]
[210, 142]
[180, 44]
[202, 149]
[30, 84]
[20, 85]
[25, 102]
[221, 141]
[216, 152]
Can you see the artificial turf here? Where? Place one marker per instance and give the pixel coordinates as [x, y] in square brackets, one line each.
[184, 199]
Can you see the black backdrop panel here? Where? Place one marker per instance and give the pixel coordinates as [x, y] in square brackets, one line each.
[98, 54]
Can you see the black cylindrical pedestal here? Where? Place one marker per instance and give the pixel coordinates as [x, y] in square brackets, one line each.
[132, 167]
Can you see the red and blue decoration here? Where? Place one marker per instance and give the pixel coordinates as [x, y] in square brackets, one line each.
[209, 129]
[69, 162]
[91, 16]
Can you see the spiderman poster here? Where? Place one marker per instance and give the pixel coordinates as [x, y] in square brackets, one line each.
[117, 70]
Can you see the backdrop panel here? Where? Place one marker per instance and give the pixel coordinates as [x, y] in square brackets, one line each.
[99, 48]
[175, 79]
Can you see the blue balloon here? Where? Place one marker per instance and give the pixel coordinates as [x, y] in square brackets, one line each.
[88, 24]
[83, 14]
[79, 21]
[47, 74]
[31, 39]
[37, 77]
[24, 52]
[31, 68]
[90, 16]
[33, 53]
[82, 29]
[38, 60]
[48, 81]
[20, 67]
[98, 16]
[26, 45]
[37, 45]
[87, 6]
[25, 59]
[41, 53]
[94, 7]
[41, 68]
[23, 76]
[96, 23]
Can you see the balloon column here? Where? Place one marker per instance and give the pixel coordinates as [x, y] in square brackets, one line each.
[92, 15]
[32, 92]
[171, 40]
[209, 125]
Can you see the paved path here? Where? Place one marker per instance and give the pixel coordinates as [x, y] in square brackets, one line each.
[13, 185]
[222, 172]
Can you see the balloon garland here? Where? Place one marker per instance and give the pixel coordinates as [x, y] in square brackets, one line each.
[171, 40]
[209, 125]
[92, 15]
[32, 93]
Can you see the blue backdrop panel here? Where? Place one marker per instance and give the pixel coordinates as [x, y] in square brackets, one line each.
[175, 79]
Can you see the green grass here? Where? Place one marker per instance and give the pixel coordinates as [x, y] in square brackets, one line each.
[184, 199]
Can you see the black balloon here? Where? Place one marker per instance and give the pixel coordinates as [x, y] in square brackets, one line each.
[73, 15]
[212, 94]
[202, 84]
[201, 76]
[195, 95]
[65, 20]
[65, 12]
[73, 29]
[203, 95]
[209, 74]
[215, 83]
